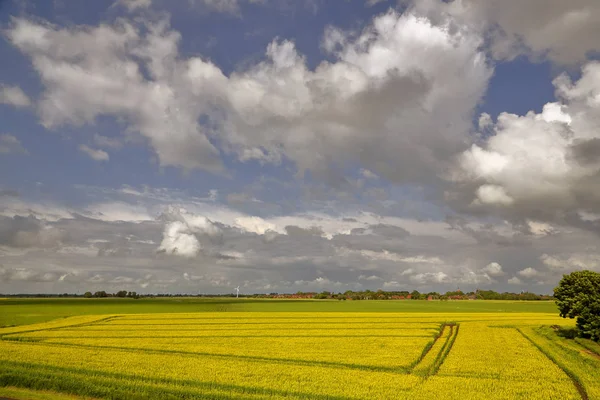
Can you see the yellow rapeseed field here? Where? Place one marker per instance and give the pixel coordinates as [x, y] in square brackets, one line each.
[300, 356]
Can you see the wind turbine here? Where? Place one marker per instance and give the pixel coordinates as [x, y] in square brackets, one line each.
[237, 290]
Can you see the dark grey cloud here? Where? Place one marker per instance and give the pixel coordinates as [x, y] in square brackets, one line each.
[586, 152]
[25, 232]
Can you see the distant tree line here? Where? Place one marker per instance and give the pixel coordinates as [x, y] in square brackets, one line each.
[406, 295]
[347, 295]
[120, 293]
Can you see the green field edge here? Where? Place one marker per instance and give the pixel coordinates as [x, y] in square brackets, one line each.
[574, 378]
[117, 386]
[590, 346]
[17, 393]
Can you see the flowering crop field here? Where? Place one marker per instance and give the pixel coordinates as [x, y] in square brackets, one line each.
[301, 355]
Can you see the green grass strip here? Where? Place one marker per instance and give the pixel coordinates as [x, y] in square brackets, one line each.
[117, 386]
[576, 381]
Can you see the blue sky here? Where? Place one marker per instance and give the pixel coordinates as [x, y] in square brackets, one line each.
[297, 145]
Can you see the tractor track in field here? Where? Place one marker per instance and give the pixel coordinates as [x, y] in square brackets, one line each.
[429, 367]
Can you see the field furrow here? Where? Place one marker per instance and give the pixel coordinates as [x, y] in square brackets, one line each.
[342, 356]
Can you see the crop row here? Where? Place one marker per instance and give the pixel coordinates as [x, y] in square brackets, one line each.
[333, 357]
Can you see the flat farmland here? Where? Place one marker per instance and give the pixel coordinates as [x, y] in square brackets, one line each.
[301, 355]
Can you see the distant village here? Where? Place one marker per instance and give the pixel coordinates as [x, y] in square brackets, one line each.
[325, 295]
[405, 295]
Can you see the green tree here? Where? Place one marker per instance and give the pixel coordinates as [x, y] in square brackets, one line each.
[578, 296]
[87, 295]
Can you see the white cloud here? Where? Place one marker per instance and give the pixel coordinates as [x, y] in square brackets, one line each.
[400, 95]
[540, 228]
[118, 211]
[493, 194]
[11, 145]
[14, 96]
[133, 5]
[256, 225]
[391, 256]
[493, 269]
[180, 236]
[191, 277]
[26, 275]
[515, 281]
[390, 95]
[485, 121]
[370, 278]
[47, 211]
[430, 277]
[94, 154]
[108, 247]
[368, 174]
[392, 285]
[94, 71]
[320, 283]
[564, 263]
[474, 278]
[528, 272]
[564, 31]
[178, 239]
[548, 159]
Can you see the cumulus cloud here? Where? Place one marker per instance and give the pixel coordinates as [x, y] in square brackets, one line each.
[385, 99]
[256, 225]
[11, 145]
[393, 102]
[14, 96]
[493, 269]
[181, 235]
[541, 163]
[399, 96]
[564, 31]
[515, 281]
[528, 272]
[179, 239]
[94, 71]
[94, 154]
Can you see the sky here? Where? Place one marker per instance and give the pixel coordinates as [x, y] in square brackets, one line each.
[298, 145]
